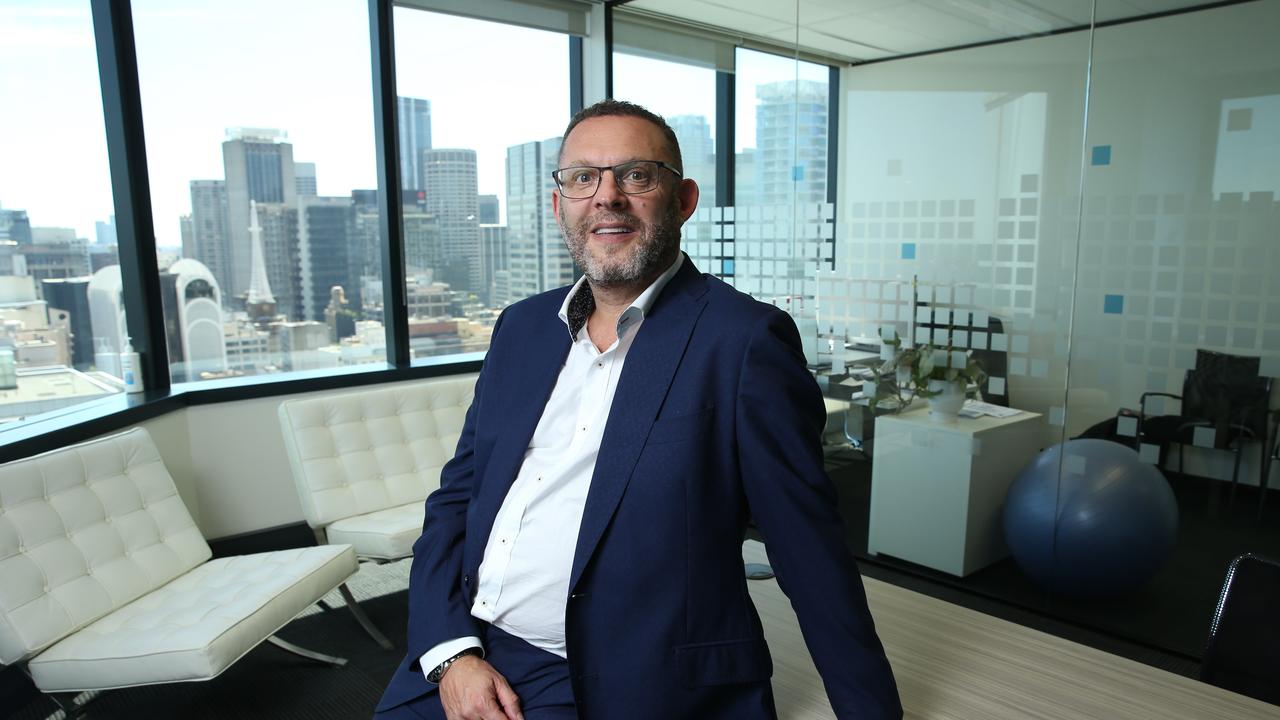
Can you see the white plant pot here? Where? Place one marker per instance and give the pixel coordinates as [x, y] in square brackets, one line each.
[945, 407]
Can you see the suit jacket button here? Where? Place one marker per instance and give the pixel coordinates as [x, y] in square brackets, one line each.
[466, 579]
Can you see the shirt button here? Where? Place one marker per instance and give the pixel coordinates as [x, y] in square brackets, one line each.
[600, 364]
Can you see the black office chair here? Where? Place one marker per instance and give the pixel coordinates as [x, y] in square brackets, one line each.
[1223, 393]
[1242, 653]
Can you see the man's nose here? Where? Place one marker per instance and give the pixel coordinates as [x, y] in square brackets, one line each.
[609, 194]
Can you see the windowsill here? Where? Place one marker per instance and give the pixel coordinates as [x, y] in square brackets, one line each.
[66, 426]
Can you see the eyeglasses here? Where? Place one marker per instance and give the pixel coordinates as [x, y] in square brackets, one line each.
[632, 178]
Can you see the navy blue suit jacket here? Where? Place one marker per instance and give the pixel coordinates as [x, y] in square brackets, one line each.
[715, 419]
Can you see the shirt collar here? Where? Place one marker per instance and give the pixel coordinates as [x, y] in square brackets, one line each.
[581, 302]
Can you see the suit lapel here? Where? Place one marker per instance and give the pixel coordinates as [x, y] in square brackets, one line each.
[646, 376]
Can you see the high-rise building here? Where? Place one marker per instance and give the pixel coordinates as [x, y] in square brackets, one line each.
[278, 226]
[209, 242]
[421, 241]
[105, 232]
[258, 166]
[791, 142]
[698, 151]
[55, 253]
[187, 231]
[304, 177]
[15, 226]
[493, 259]
[72, 296]
[193, 328]
[488, 209]
[324, 245]
[450, 177]
[414, 116]
[537, 259]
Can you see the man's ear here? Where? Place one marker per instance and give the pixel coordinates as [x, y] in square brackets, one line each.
[555, 204]
[688, 194]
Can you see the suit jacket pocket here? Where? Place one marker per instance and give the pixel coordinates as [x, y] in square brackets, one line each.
[690, 426]
[724, 663]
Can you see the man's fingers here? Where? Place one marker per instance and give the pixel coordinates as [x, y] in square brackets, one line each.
[510, 701]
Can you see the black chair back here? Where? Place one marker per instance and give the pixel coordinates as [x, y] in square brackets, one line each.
[1226, 391]
[1243, 650]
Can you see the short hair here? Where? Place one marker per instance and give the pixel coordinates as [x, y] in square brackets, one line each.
[622, 108]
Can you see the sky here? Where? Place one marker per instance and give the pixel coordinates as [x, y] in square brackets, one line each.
[302, 67]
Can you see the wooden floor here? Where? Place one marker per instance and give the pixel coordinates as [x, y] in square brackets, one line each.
[952, 662]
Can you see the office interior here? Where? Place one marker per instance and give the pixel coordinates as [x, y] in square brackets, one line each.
[1082, 194]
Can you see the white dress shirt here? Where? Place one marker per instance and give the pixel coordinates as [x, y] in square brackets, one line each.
[522, 585]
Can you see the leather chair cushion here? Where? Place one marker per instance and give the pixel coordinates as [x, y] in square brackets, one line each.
[85, 530]
[196, 626]
[383, 535]
[371, 450]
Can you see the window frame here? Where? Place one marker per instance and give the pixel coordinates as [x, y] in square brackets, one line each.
[126, 147]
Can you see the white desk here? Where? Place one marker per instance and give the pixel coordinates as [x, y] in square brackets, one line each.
[937, 490]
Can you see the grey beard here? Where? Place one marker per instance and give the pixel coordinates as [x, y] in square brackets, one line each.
[644, 260]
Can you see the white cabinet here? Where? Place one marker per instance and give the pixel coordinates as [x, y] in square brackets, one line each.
[937, 489]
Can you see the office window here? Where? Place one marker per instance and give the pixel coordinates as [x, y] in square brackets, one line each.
[260, 149]
[482, 106]
[781, 113]
[60, 302]
[686, 96]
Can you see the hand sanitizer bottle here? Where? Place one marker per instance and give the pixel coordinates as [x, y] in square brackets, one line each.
[131, 369]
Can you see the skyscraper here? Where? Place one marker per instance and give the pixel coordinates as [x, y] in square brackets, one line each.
[698, 151]
[324, 244]
[304, 175]
[258, 164]
[209, 241]
[493, 259]
[414, 115]
[537, 259]
[488, 209]
[791, 142]
[105, 232]
[450, 176]
[15, 226]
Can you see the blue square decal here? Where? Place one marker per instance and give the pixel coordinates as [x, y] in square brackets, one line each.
[908, 251]
[1101, 154]
[797, 173]
[1113, 304]
[726, 266]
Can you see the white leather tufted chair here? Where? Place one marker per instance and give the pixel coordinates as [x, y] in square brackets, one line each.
[364, 462]
[106, 582]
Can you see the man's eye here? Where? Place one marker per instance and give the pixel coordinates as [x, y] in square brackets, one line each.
[637, 175]
[582, 177]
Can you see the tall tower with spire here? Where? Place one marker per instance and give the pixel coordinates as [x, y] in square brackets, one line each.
[261, 304]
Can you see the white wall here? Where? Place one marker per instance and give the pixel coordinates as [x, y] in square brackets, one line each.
[229, 463]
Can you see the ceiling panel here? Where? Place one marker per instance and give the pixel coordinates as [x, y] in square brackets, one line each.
[872, 29]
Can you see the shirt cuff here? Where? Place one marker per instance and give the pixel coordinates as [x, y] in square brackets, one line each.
[445, 650]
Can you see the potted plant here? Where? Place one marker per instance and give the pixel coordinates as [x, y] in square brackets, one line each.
[941, 375]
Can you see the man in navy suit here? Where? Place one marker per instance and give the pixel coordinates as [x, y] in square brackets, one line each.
[583, 555]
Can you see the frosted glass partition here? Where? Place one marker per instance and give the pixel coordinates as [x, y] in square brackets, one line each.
[960, 172]
[1179, 245]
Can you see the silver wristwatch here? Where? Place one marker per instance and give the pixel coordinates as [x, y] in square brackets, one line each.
[438, 672]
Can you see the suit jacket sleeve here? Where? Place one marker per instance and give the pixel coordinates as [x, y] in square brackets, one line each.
[780, 417]
[439, 609]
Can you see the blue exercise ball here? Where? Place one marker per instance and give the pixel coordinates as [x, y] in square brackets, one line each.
[1088, 518]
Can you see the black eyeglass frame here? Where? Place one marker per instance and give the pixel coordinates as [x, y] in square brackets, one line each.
[555, 175]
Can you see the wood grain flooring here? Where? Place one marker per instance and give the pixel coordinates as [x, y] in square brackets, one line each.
[952, 662]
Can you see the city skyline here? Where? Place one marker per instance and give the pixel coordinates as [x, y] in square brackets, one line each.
[53, 43]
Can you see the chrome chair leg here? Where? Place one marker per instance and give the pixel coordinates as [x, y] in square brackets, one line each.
[308, 654]
[363, 618]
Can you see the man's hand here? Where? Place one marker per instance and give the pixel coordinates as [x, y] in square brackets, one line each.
[472, 690]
